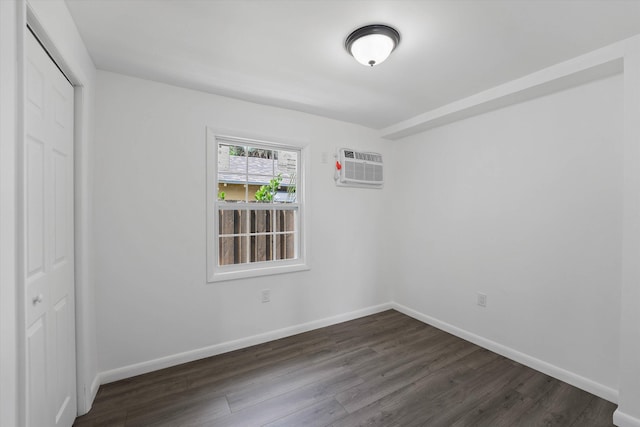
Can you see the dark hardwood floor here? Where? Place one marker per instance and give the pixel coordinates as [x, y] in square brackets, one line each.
[381, 370]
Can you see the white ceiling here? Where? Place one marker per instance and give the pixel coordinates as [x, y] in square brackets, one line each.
[290, 53]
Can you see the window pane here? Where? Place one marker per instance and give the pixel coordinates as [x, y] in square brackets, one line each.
[287, 167]
[233, 250]
[266, 189]
[259, 179]
[261, 166]
[285, 246]
[288, 196]
[233, 189]
[237, 150]
[261, 248]
[285, 220]
[232, 172]
[287, 163]
[223, 157]
[232, 221]
[231, 159]
[261, 153]
[231, 178]
[261, 221]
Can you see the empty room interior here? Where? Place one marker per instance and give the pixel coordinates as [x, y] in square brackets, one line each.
[319, 213]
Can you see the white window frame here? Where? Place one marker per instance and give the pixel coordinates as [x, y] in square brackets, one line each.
[216, 273]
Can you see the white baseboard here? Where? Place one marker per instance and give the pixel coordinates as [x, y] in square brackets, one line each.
[576, 380]
[621, 419]
[95, 385]
[87, 403]
[607, 393]
[201, 353]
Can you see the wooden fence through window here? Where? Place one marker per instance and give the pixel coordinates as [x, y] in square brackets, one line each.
[255, 235]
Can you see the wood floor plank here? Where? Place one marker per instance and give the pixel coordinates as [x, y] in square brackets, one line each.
[319, 415]
[115, 418]
[183, 412]
[398, 342]
[265, 374]
[247, 367]
[597, 413]
[245, 398]
[412, 399]
[385, 370]
[396, 375]
[133, 392]
[558, 407]
[438, 406]
[501, 410]
[388, 359]
[464, 398]
[310, 374]
[289, 403]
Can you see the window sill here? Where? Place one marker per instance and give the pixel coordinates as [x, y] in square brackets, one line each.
[255, 270]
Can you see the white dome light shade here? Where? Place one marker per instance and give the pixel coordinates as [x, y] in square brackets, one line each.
[372, 44]
[372, 50]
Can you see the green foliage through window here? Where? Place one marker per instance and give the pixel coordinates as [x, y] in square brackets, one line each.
[266, 192]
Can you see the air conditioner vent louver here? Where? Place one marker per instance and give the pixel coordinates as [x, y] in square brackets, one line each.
[360, 169]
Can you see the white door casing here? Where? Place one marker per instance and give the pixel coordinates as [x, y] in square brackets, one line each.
[48, 252]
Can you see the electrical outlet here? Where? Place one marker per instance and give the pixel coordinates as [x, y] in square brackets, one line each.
[266, 295]
[482, 299]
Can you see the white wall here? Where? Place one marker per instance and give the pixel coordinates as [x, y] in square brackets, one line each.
[628, 412]
[523, 204]
[153, 300]
[8, 267]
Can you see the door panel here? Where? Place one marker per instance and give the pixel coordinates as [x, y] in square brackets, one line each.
[35, 206]
[37, 372]
[62, 318]
[48, 248]
[60, 166]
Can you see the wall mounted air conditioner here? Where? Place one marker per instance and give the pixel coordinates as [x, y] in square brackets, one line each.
[359, 169]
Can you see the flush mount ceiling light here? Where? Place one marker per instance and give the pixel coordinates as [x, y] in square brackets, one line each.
[372, 44]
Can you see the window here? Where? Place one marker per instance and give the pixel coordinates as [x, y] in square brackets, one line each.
[255, 214]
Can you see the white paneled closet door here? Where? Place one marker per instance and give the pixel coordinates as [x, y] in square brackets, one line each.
[48, 242]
